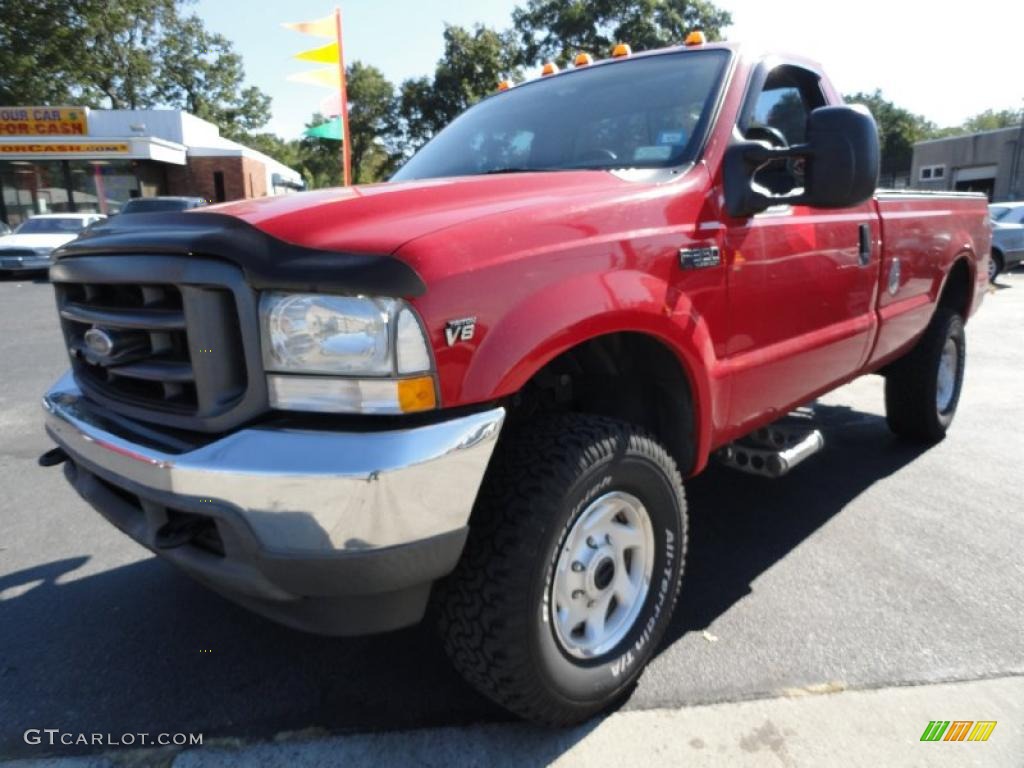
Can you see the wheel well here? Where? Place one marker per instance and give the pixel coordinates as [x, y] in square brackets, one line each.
[627, 376]
[956, 294]
[997, 254]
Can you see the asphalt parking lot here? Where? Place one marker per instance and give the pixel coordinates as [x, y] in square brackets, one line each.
[874, 564]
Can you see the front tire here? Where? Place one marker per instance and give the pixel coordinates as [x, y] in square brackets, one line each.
[571, 570]
[922, 390]
[995, 265]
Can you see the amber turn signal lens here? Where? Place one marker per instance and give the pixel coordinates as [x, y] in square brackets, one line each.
[620, 50]
[583, 59]
[417, 394]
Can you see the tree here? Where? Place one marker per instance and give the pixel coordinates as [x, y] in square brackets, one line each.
[118, 52]
[473, 64]
[124, 54]
[200, 72]
[37, 40]
[558, 30]
[372, 118]
[319, 159]
[898, 129]
[992, 119]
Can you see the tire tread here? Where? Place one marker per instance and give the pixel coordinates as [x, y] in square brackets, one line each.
[483, 610]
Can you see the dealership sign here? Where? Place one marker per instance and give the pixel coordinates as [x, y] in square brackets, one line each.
[44, 121]
[81, 148]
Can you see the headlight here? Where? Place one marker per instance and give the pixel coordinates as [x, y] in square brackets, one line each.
[376, 344]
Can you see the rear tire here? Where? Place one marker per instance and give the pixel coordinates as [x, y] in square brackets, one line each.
[573, 511]
[922, 390]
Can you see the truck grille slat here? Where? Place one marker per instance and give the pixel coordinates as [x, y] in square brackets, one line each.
[155, 370]
[166, 349]
[146, 318]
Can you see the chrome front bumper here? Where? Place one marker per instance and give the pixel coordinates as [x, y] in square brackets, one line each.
[301, 512]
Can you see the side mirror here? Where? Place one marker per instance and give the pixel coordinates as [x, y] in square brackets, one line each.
[841, 159]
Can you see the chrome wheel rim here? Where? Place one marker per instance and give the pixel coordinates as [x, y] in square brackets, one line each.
[992, 269]
[946, 386]
[602, 575]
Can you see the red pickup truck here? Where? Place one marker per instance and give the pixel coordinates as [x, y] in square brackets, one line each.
[485, 382]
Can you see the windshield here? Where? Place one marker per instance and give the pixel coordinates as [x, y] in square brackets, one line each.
[51, 226]
[154, 205]
[648, 112]
[997, 213]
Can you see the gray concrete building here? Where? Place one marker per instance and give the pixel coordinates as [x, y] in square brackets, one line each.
[990, 161]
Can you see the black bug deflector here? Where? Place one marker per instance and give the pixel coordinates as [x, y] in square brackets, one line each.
[266, 261]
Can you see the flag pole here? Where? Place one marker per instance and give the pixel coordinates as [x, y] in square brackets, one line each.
[346, 146]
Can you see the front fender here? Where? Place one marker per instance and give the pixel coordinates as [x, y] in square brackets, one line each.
[557, 318]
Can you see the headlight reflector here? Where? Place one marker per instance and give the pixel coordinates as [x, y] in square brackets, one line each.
[347, 354]
[326, 334]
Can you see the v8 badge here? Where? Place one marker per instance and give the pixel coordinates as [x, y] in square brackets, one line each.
[460, 329]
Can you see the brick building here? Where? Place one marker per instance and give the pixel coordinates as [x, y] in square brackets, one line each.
[55, 159]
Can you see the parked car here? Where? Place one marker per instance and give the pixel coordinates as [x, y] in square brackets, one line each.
[489, 380]
[30, 245]
[161, 204]
[1007, 238]
[1007, 213]
[4, 229]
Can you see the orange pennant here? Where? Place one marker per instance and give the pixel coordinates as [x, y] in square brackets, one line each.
[325, 27]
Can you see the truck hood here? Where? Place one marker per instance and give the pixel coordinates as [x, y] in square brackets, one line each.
[334, 239]
[380, 218]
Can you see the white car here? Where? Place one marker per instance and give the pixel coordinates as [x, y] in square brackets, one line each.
[29, 246]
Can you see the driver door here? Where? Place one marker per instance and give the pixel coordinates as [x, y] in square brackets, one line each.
[801, 285]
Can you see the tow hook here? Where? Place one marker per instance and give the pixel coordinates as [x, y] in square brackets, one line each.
[53, 457]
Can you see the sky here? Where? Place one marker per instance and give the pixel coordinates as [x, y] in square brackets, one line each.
[942, 60]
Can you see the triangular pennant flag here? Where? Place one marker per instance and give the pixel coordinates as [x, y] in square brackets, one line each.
[329, 130]
[329, 77]
[330, 106]
[327, 54]
[325, 27]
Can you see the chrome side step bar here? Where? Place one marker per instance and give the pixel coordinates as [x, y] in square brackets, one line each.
[773, 450]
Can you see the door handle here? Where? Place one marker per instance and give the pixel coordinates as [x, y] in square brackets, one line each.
[864, 254]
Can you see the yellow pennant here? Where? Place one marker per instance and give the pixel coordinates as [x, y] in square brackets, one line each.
[325, 27]
[327, 54]
[329, 77]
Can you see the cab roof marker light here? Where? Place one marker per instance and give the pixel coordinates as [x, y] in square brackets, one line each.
[695, 38]
[620, 50]
[550, 68]
[504, 85]
[583, 59]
